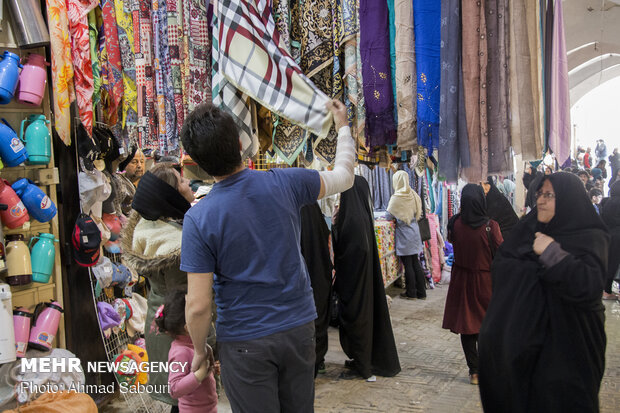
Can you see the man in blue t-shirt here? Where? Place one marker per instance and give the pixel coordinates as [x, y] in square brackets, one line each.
[242, 240]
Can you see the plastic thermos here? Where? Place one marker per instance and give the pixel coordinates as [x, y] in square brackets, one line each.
[39, 205]
[42, 257]
[12, 150]
[17, 260]
[15, 215]
[45, 325]
[7, 336]
[37, 139]
[32, 80]
[9, 75]
[21, 326]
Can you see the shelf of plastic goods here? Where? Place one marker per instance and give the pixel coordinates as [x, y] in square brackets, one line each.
[46, 177]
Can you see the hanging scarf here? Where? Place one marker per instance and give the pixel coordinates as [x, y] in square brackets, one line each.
[427, 20]
[199, 53]
[77, 13]
[405, 75]
[126, 42]
[93, 33]
[353, 92]
[376, 73]
[62, 67]
[405, 204]
[245, 53]
[559, 111]
[175, 42]
[114, 65]
[155, 199]
[453, 143]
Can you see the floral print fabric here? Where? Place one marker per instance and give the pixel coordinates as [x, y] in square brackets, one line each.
[126, 43]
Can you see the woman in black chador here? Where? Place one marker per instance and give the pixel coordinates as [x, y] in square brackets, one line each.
[542, 342]
[365, 329]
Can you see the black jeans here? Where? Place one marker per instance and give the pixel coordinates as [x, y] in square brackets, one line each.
[414, 276]
[470, 348]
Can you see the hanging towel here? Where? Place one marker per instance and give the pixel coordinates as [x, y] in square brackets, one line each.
[250, 59]
[427, 19]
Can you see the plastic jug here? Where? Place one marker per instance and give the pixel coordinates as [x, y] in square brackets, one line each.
[9, 75]
[42, 257]
[7, 336]
[18, 260]
[16, 214]
[12, 149]
[21, 326]
[32, 80]
[37, 139]
[39, 205]
[45, 325]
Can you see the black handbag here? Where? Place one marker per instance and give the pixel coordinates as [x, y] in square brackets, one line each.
[425, 228]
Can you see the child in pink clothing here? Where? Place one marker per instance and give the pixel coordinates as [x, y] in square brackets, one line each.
[194, 390]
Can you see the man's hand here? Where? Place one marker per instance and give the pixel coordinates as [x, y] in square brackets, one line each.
[199, 358]
[339, 111]
[541, 242]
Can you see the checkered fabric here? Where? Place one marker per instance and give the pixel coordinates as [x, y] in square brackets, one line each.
[249, 60]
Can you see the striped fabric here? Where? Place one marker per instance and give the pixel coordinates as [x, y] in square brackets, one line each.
[248, 60]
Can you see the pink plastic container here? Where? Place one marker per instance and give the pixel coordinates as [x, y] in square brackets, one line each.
[21, 323]
[45, 325]
[32, 80]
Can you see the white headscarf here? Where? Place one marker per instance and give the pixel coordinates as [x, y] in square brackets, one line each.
[405, 204]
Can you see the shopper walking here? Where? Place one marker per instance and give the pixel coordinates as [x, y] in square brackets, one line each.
[611, 216]
[499, 208]
[243, 239]
[474, 238]
[196, 390]
[542, 342]
[365, 328]
[151, 243]
[405, 208]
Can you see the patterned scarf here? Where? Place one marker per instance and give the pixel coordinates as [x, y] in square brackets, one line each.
[126, 41]
[198, 33]
[93, 33]
[62, 67]
[114, 66]
[77, 13]
[175, 44]
[250, 55]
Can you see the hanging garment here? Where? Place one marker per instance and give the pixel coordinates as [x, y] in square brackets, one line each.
[125, 30]
[199, 54]
[114, 68]
[406, 82]
[392, 31]
[427, 20]
[376, 73]
[315, 249]
[559, 111]
[250, 58]
[365, 329]
[77, 13]
[175, 44]
[62, 67]
[474, 54]
[524, 77]
[500, 160]
[168, 134]
[143, 35]
[93, 33]
[453, 142]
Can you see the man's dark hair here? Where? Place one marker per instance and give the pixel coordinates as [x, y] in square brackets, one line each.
[211, 137]
[595, 192]
[582, 172]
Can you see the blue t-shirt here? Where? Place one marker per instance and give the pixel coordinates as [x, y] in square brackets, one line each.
[247, 231]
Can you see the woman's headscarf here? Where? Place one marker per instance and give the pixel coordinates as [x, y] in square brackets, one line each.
[405, 204]
[156, 199]
[473, 206]
[509, 186]
[611, 210]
